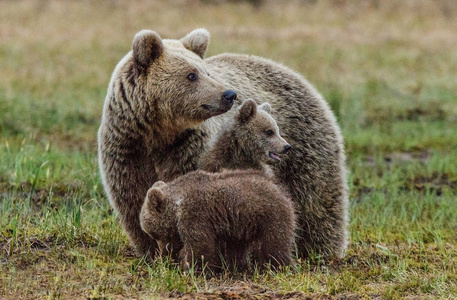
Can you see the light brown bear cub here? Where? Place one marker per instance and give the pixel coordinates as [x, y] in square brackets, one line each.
[241, 216]
[250, 142]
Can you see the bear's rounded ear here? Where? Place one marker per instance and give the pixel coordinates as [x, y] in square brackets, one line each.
[265, 107]
[156, 200]
[159, 184]
[147, 46]
[197, 41]
[247, 110]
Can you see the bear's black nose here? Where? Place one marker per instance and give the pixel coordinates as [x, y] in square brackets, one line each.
[229, 96]
[287, 148]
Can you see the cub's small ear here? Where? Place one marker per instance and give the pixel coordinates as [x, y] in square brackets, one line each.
[197, 41]
[147, 46]
[156, 200]
[159, 184]
[247, 111]
[265, 107]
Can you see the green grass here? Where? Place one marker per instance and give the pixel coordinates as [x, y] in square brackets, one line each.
[386, 68]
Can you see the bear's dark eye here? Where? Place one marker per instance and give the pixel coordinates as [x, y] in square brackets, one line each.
[269, 132]
[192, 76]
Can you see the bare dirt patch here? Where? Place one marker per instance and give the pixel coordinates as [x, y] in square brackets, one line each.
[245, 290]
[409, 156]
[435, 183]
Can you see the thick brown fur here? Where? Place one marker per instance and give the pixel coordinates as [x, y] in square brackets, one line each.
[228, 219]
[157, 123]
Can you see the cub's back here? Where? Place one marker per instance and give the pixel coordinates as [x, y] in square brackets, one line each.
[237, 198]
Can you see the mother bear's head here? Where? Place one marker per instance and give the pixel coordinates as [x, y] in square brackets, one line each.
[164, 83]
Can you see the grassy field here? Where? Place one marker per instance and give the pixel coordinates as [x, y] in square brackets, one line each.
[387, 68]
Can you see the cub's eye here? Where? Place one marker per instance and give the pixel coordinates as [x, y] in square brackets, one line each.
[269, 132]
[192, 76]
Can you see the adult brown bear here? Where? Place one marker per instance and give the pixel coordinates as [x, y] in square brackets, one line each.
[165, 103]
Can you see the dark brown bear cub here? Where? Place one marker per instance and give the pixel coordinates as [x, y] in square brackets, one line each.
[222, 219]
[233, 218]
